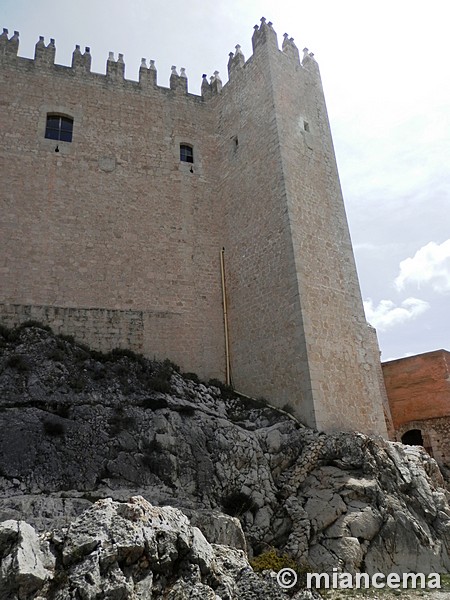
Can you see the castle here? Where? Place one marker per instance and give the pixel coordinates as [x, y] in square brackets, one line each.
[208, 229]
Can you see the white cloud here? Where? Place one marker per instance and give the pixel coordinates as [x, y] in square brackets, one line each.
[387, 314]
[430, 265]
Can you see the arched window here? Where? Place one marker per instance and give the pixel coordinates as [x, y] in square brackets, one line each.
[413, 437]
[186, 153]
[59, 128]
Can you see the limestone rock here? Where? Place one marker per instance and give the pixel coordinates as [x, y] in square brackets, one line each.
[218, 528]
[26, 564]
[128, 551]
[80, 427]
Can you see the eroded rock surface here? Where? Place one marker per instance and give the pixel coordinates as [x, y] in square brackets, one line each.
[77, 426]
[128, 551]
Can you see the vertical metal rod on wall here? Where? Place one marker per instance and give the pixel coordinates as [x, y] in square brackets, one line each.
[225, 319]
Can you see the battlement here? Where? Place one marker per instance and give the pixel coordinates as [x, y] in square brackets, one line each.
[264, 35]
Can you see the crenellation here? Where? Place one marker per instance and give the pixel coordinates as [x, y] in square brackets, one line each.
[44, 56]
[115, 70]
[178, 82]
[183, 80]
[289, 48]
[81, 62]
[174, 77]
[4, 39]
[309, 62]
[236, 61]
[216, 83]
[11, 46]
[147, 76]
[76, 56]
[264, 34]
[206, 90]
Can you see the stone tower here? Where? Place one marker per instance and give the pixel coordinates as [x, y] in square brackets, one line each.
[119, 235]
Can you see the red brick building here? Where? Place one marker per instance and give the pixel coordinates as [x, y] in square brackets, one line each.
[418, 389]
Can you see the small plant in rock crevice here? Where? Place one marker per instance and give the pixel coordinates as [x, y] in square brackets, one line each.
[54, 428]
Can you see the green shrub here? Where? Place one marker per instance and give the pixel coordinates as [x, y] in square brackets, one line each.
[185, 409]
[99, 356]
[226, 391]
[157, 463]
[271, 560]
[168, 366]
[216, 383]
[4, 332]
[191, 377]
[83, 347]
[445, 582]
[56, 354]
[118, 353]
[98, 374]
[81, 353]
[238, 503]
[121, 422]
[254, 403]
[66, 338]
[33, 323]
[159, 383]
[121, 370]
[54, 428]
[77, 383]
[19, 363]
[62, 410]
[148, 461]
[154, 403]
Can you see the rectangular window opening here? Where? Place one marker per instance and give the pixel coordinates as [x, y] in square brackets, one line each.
[186, 153]
[59, 128]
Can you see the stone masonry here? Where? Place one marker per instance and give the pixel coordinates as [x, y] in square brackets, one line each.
[112, 238]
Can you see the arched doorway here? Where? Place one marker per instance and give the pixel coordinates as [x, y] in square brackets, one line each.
[413, 437]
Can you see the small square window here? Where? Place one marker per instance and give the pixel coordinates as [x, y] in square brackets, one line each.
[186, 153]
[59, 128]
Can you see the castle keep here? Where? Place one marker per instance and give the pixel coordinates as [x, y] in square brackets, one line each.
[123, 202]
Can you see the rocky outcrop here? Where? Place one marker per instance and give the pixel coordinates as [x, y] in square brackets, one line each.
[78, 426]
[128, 551]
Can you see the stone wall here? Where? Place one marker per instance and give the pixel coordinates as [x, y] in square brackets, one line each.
[113, 228]
[113, 220]
[295, 304]
[145, 332]
[436, 437]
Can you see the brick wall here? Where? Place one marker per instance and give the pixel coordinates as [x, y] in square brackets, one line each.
[418, 388]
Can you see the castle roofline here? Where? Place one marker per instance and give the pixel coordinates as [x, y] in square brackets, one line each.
[44, 59]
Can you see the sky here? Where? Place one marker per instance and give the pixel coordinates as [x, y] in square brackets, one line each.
[384, 68]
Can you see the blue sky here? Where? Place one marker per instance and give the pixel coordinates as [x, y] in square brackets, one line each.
[384, 68]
